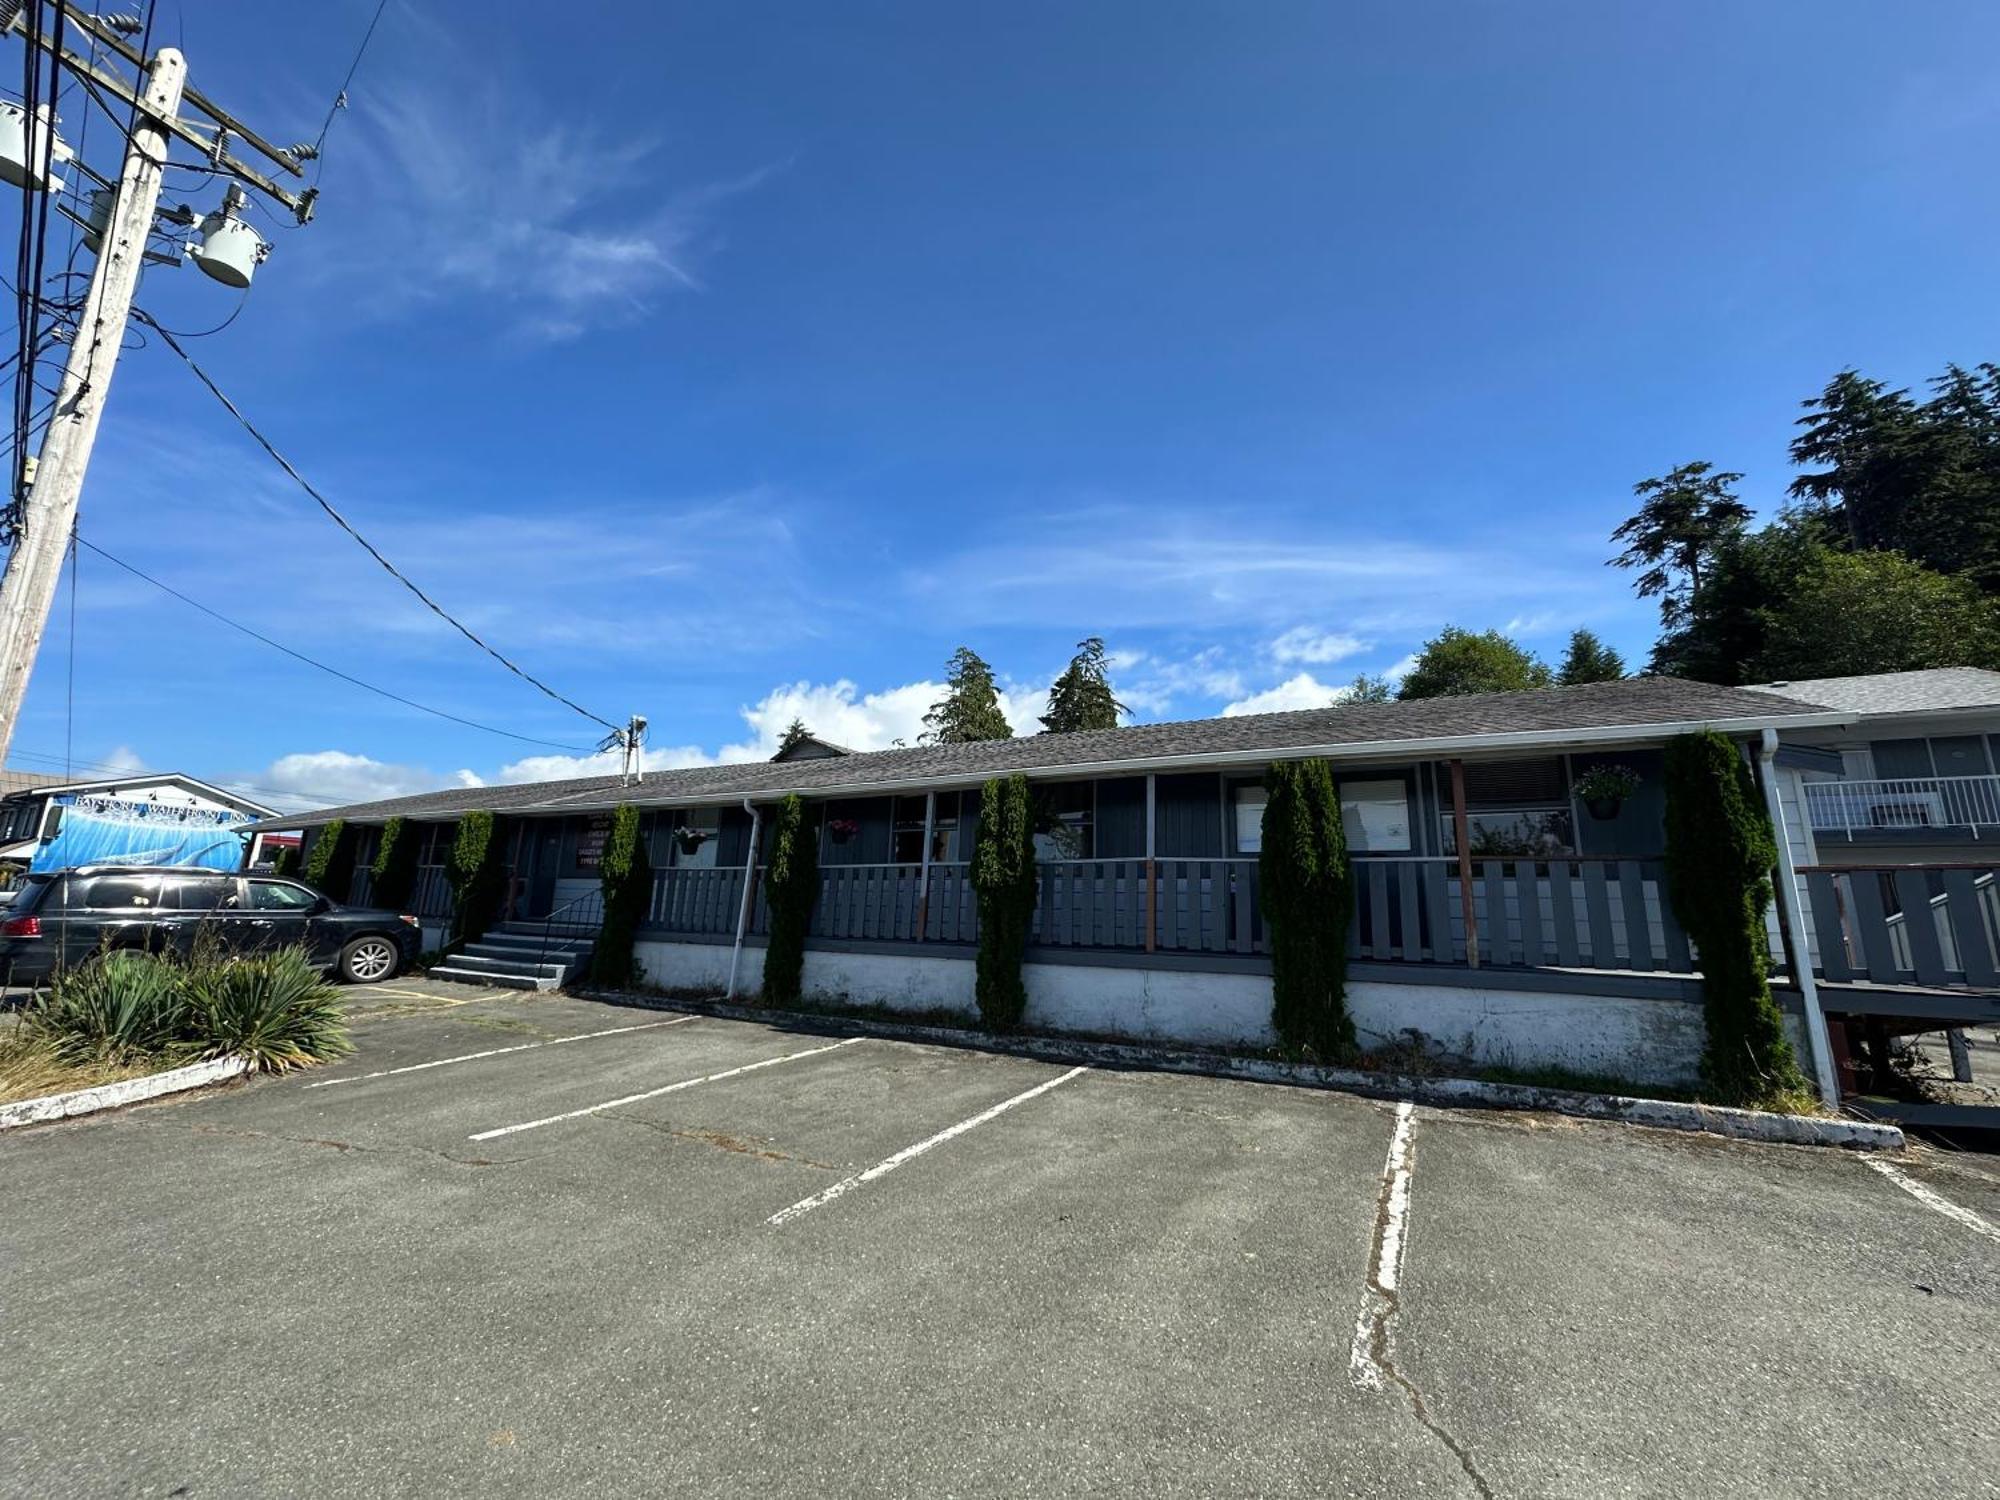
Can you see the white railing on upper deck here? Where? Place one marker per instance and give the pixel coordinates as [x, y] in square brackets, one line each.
[1910, 802]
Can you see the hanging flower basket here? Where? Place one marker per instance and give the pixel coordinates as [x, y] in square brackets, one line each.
[1603, 789]
[840, 830]
[690, 840]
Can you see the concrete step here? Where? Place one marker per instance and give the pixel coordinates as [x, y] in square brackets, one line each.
[557, 949]
[554, 969]
[504, 937]
[535, 929]
[529, 952]
[495, 981]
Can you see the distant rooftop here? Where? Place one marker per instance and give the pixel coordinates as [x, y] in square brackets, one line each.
[1939, 689]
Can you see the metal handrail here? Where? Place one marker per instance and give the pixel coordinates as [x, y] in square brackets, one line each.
[548, 923]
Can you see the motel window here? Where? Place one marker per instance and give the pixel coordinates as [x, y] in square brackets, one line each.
[1249, 819]
[1375, 815]
[1064, 820]
[704, 823]
[906, 841]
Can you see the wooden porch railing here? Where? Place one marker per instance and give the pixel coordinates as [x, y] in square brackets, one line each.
[1936, 925]
[704, 902]
[1571, 912]
[1565, 912]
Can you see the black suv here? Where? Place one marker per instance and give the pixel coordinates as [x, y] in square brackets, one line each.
[65, 917]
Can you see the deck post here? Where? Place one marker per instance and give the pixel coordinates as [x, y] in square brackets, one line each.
[749, 901]
[1152, 881]
[1462, 837]
[1792, 927]
[924, 876]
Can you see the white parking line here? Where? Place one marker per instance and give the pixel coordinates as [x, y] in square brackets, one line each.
[908, 1153]
[671, 1088]
[442, 1062]
[1977, 1223]
[1365, 1359]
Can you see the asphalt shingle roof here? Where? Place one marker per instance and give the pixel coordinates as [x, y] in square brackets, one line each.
[1568, 712]
[1936, 690]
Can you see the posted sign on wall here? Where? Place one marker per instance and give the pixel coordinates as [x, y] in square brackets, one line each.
[590, 842]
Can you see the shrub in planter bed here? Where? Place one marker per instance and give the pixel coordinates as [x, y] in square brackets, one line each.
[275, 1008]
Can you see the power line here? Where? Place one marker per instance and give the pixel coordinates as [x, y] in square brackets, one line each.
[340, 98]
[345, 525]
[348, 677]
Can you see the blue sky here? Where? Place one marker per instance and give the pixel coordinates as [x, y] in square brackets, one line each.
[726, 362]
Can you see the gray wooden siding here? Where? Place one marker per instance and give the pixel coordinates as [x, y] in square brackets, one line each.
[1190, 813]
[1121, 818]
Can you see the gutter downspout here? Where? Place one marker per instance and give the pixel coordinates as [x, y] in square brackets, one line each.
[1791, 914]
[749, 898]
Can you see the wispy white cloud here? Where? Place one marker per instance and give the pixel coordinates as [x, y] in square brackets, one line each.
[1301, 691]
[497, 192]
[322, 778]
[1187, 568]
[1302, 643]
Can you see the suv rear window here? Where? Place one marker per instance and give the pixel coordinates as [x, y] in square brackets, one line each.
[116, 892]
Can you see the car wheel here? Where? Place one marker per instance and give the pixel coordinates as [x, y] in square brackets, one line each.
[368, 959]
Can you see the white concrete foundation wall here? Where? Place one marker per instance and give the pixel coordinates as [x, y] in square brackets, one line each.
[1655, 1041]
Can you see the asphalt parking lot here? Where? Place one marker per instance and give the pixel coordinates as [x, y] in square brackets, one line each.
[539, 1245]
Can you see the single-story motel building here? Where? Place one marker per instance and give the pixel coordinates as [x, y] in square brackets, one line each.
[1494, 913]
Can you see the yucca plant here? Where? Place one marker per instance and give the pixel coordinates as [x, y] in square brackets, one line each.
[116, 1006]
[274, 1008]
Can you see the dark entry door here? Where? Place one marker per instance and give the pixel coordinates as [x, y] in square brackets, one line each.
[547, 857]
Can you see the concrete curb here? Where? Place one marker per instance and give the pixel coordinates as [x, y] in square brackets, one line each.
[127, 1091]
[1451, 1093]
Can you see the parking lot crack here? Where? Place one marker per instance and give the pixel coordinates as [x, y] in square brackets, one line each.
[1372, 1360]
[344, 1147]
[719, 1140]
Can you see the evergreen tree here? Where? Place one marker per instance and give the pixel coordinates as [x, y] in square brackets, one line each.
[329, 864]
[1307, 897]
[477, 870]
[1589, 660]
[791, 887]
[1923, 479]
[1366, 689]
[1719, 854]
[625, 877]
[1003, 879]
[970, 708]
[1722, 636]
[795, 735]
[1457, 661]
[394, 872]
[1685, 516]
[1081, 698]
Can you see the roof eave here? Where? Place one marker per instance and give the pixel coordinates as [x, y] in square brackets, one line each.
[596, 800]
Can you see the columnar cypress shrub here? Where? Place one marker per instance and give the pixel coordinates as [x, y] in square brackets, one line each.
[1307, 899]
[477, 873]
[1720, 852]
[791, 886]
[625, 875]
[394, 872]
[286, 861]
[329, 864]
[1003, 879]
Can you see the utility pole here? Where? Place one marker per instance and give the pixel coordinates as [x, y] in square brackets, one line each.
[48, 516]
[48, 506]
